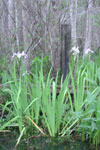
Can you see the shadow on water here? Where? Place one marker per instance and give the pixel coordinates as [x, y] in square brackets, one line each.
[7, 142]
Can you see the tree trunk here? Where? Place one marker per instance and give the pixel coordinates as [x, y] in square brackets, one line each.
[26, 35]
[88, 37]
[19, 25]
[11, 24]
[73, 17]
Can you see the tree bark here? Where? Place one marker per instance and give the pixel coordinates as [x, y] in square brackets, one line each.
[73, 18]
[11, 24]
[89, 22]
[26, 35]
[19, 25]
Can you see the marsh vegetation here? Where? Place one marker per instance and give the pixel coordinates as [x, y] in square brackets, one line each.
[33, 106]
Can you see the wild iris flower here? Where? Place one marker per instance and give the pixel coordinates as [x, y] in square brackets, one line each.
[25, 73]
[88, 51]
[19, 55]
[75, 50]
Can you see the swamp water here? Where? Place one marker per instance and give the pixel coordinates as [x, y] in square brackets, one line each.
[7, 142]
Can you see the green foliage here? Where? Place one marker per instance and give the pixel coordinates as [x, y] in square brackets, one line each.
[86, 92]
[35, 96]
[20, 101]
[63, 4]
[30, 97]
[3, 66]
[96, 20]
[36, 64]
[53, 107]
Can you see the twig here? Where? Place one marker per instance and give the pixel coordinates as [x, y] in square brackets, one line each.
[36, 125]
[34, 45]
[4, 131]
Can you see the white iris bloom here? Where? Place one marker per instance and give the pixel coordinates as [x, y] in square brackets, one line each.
[88, 51]
[14, 55]
[19, 55]
[75, 50]
[24, 54]
[25, 73]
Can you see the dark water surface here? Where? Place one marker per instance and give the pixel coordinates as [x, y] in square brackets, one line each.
[7, 142]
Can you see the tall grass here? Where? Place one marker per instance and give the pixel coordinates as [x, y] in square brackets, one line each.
[20, 97]
[84, 78]
[34, 101]
[53, 106]
[78, 87]
[30, 97]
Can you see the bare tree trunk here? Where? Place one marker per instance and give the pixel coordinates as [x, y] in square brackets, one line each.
[11, 24]
[26, 34]
[5, 27]
[73, 17]
[89, 22]
[54, 34]
[19, 25]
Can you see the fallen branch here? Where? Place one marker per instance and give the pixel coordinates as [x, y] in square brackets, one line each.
[36, 125]
[34, 45]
